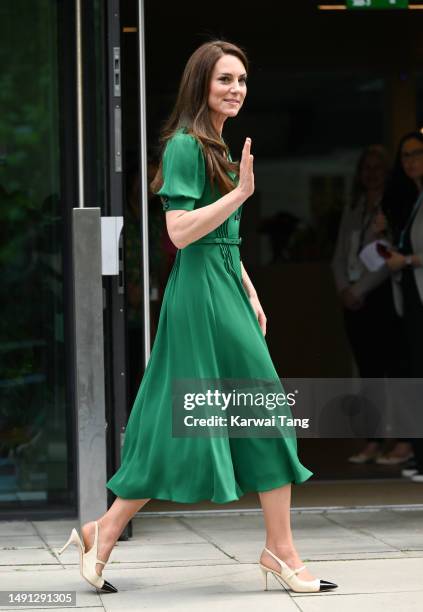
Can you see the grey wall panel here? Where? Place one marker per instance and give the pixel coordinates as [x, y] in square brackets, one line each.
[89, 367]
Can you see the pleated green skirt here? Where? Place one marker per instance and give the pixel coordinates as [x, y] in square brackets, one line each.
[207, 329]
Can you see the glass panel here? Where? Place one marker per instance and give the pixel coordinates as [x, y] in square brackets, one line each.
[161, 250]
[305, 175]
[34, 417]
[95, 56]
[304, 168]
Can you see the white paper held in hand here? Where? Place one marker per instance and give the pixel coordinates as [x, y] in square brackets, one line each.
[371, 258]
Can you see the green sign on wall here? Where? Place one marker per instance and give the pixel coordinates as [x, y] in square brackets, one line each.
[377, 4]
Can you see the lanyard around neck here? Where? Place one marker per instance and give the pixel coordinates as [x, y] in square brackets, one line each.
[409, 221]
[365, 224]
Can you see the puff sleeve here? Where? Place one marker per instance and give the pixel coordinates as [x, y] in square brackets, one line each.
[184, 173]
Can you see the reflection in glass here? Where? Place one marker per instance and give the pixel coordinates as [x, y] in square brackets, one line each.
[34, 418]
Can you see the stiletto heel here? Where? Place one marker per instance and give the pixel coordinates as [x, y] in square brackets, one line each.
[288, 576]
[73, 539]
[264, 572]
[88, 561]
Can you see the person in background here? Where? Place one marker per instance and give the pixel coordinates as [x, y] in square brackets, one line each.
[402, 205]
[371, 323]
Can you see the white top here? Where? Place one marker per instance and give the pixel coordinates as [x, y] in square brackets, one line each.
[356, 232]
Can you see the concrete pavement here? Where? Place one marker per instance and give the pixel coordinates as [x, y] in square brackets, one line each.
[209, 562]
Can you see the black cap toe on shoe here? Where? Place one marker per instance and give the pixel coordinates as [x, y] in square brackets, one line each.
[326, 586]
[108, 588]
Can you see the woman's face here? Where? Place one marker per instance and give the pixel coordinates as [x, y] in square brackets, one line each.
[373, 172]
[228, 87]
[412, 158]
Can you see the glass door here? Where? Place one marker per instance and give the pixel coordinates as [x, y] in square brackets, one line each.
[36, 418]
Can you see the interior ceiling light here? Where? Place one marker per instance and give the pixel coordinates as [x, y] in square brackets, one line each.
[413, 6]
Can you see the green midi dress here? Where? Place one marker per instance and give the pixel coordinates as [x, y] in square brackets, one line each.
[207, 330]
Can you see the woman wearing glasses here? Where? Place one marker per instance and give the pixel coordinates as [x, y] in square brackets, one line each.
[403, 207]
[366, 296]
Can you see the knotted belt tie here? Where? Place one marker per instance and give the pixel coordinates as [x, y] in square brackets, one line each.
[218, 240]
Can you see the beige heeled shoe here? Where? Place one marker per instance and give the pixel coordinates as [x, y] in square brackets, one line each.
[288, 576]
[88, 561]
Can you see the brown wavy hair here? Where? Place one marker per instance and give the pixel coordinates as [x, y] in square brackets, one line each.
[191, 111]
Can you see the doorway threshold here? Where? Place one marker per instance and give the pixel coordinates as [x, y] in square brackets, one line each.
[319, 496]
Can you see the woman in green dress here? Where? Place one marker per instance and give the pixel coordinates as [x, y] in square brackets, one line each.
[211, 326]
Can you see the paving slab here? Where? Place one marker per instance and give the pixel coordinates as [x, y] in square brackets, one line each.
[381, 522]
[69, 580]
[399, 530]
[224, 522]
[249, 549]
[167, 552]
[9, 528]
[185, 536]
[372, 602]
[210, 562]
[29, 568]
[371, 575]
[146, 524]
[78, 608]
[61, 527]
[25, 556]
[235, 587]
[174, 563]
[148, 553]
[21, 541]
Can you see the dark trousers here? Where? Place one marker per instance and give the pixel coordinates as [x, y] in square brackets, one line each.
[376, 336]
[413, 329]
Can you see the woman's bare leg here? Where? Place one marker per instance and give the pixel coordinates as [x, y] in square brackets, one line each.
[276, 505]
[110, 526]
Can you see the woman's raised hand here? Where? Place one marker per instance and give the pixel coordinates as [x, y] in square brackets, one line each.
[246, 173]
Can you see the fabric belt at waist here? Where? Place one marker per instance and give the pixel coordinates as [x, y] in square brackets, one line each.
[218, 240]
